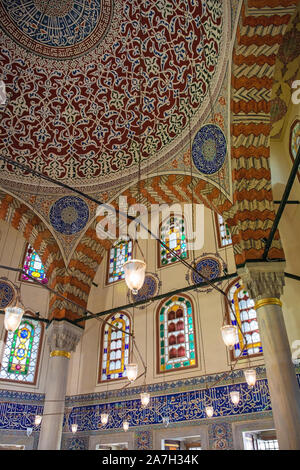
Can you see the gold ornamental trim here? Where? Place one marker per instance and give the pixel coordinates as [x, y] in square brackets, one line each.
[58, 353]
[268, 301]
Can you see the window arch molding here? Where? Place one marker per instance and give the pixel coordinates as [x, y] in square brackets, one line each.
[246, 316]
[181, 245]
[28, 341]
[176, 332]
[114, 347]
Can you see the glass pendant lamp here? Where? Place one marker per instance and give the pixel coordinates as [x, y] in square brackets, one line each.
[104, 418]
[209, 410]
[134, 271]
[250, 376]
[125, 426]
[74, 428]
[38, 420]
[13, 316]
[145, 399]
[132, 371]
[235, 397]
[229, 335]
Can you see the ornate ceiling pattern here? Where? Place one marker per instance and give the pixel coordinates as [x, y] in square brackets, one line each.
[91, 124]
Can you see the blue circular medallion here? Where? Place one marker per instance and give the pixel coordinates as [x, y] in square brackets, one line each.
[209, 149]
[209, 267]
[69, 215]
[149, 289]
[7, 294]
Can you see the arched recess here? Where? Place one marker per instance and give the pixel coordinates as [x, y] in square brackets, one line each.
[32, 228]
[260, 33]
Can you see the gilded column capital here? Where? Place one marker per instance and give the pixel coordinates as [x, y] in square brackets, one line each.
[264, 281]
[63, 338]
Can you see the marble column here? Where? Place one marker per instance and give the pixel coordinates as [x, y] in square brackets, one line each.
[63, 338]
[265, 282]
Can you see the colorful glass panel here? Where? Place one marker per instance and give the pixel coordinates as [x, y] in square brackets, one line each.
[33, 266]
[176, 335]
[172, 233]
[115, 353]
[119, 254]
[246, 318]
[20, 353]
[224, 232]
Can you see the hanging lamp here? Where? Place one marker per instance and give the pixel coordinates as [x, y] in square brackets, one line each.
[125, 426]
[13, 315]
[74, 427]
[132, 371]
[229, 335]
[134, 271]
[37, 420]
[209, 410]
[250, 376]
[145, 399]
[104, 418]
[235, 397]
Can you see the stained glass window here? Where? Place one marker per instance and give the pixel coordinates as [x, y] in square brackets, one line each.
[115, 353]
[223, 232]
[246, 318]
[177, 342]
[33, 266]
[172, 233]
[21, 352]
[118, 255]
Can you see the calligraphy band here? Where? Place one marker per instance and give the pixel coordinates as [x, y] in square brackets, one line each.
[57, 353]
[268, 301]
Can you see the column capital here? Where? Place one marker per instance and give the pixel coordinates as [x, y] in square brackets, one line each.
[263, 280]
[63, 338]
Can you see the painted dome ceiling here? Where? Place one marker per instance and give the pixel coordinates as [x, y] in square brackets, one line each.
[97, 88]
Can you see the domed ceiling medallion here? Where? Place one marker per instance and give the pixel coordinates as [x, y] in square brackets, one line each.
[69, 215]
[58, 29]
[209, 149]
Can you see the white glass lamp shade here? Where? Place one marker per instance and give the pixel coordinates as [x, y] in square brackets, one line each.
[209, 411]
[235, 397]
[145, 399]
[134, 271]
[104, 418]
[132, 371]
[74, 428]
[229, 335]
[250, 376]
[125, 426]
[37, 420]
[13, 316]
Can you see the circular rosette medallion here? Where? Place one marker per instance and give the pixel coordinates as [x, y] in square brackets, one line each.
[211, 266]
[209, 149]
[7, 294]
[69, 215]
[58, 29]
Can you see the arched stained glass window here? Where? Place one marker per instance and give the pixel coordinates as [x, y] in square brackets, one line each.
[21, 352]
[246, 318]
[176, 335]
[172, 233]
[223, 231]
[115, 348]
[120, 252]
[33, 266]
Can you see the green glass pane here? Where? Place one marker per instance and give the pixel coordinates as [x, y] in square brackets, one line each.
[162, 361]
[192, 346]
[186, 363]
[162, 351]
[188, 304]
[177, 365]
[181, 299]
[169, 366]
[191, 337]
[162, 334]
[192, 355]
[162, 311]
[162, 343]
[190, 320]
[169, 302]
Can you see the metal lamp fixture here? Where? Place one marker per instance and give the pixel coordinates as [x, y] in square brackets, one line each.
[229, 335]
[134, 271]
[13, 316]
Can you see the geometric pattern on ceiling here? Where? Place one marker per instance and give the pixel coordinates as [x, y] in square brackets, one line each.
[89, 124]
